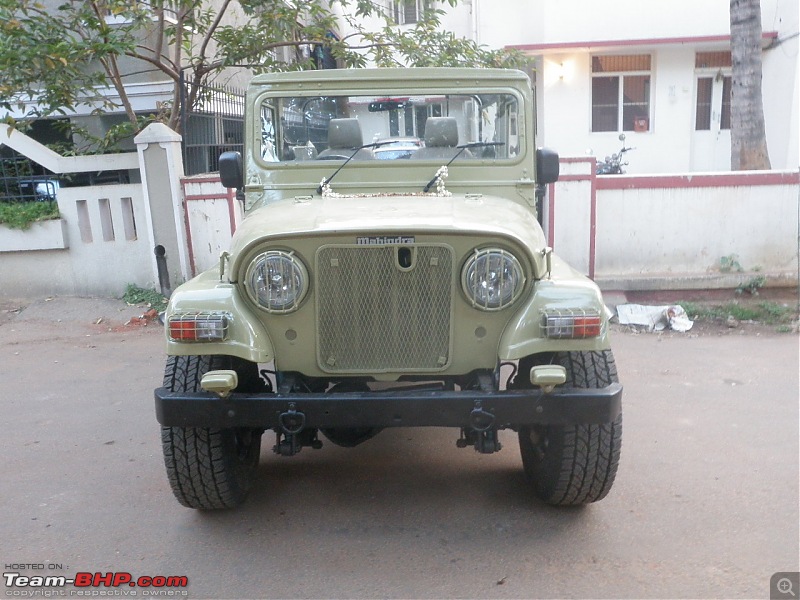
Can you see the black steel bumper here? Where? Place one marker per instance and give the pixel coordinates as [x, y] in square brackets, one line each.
[469, 409]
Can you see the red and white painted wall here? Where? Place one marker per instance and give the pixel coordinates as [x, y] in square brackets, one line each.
[671, 231]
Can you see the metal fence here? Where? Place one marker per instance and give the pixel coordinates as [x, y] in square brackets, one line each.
[22, 180]
[214, 125]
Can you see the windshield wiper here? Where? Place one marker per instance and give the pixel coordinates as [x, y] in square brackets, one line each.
[461, 149]
[326, 180]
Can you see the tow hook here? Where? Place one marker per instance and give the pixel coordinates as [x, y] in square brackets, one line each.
[294, 434]
[292, 421]
[483, 433]
[480, 419]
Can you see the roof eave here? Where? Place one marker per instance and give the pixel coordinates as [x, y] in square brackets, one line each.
[704, 41]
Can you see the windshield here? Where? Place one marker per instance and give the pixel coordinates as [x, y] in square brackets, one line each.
[396, 128]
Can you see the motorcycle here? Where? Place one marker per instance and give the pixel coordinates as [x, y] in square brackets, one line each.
[612, 165]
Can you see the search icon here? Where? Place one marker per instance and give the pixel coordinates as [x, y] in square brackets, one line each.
[784, 586]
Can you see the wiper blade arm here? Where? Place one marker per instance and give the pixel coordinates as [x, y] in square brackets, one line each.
[325, 181]
[461, 149]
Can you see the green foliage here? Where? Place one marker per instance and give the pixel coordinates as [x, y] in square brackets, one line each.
[730, 263]
[45, 57]
[21, 215]
[774, 311]
[55, 59]
[752, 285]
[136, 295]
[770, 313]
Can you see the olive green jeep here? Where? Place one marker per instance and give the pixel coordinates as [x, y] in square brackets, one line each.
[390, 272]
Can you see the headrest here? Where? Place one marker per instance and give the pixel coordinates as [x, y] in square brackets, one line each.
[344, 133]
[441, 131]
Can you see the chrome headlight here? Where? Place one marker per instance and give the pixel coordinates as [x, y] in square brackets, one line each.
[492, 279]
[277, 281]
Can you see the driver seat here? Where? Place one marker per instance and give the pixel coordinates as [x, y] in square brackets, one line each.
[344, 136]
[441, 139]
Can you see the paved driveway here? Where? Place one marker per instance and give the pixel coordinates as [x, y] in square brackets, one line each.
[705, 505]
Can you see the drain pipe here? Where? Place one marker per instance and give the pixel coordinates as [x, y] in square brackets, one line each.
[163, 271]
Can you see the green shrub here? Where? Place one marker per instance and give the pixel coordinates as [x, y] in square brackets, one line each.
[21, 215]
[752, 285]
[730, 264]
[136, 295]
[770, 313]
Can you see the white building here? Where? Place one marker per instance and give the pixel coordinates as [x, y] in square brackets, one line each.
[658, 71]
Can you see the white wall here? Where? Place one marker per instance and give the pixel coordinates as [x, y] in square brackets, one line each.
[781, 83]
[688, 230]
[106, 236]
[106, 247]
[583, 20]
[508, 22]
[567, 112]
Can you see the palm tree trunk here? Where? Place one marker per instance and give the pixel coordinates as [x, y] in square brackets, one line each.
[748, 138]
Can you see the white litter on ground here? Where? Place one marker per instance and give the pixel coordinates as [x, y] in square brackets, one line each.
[655, 318]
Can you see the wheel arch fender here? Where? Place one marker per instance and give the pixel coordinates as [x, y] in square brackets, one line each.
[246, 337]
[524, 334]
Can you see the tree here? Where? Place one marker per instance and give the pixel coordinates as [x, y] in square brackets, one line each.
[54, 60]
[748, 137]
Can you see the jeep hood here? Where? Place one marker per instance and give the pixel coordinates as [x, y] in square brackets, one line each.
[387, 214]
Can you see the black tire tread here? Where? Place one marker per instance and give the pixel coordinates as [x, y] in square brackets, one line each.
[202, 467]
[583, 459]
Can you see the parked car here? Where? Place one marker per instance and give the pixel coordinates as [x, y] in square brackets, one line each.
[360, 294]
[397, 148]
[38, 189]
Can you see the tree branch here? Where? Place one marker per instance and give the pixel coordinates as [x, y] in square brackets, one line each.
[209, 34]
[112, 68]
[167, 69]
[160, 33]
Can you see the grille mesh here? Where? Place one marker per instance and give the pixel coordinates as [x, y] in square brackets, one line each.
[375, 316]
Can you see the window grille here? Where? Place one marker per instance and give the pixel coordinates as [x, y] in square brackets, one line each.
[406, 12]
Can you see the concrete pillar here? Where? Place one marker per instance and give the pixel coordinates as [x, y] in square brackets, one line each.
[161, 167]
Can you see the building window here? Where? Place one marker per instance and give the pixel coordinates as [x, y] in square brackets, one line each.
[405, 12]
[621, 93]
[713, 104]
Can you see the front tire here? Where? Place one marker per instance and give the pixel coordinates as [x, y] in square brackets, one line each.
[209, 468]
[574, 464]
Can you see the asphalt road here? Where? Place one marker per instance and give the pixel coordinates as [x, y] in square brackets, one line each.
[705, 504]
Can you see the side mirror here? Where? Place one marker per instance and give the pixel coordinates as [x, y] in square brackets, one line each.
[546, 166]
[230, 170]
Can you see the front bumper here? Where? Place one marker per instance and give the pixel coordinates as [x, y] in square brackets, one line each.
[468, 409]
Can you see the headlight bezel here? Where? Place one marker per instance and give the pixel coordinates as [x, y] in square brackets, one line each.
[470, 289]
[298, 269]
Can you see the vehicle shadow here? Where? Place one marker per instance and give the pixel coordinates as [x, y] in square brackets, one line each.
[402, 481]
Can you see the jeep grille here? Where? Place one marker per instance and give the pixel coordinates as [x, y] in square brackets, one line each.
[378, 314]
